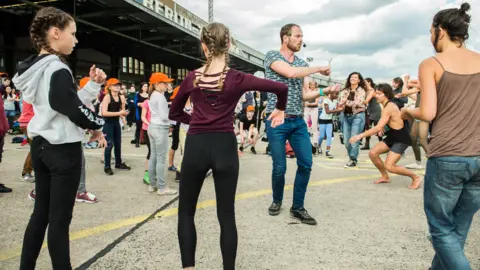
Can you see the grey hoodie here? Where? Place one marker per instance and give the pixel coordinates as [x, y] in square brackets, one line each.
[60, 113]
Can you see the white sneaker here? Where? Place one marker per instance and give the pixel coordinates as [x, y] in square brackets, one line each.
[166, 191]
[415, 166]
[151, 189]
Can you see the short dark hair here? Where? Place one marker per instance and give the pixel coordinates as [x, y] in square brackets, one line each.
[386, 89]
[287, 30]
[398, 81]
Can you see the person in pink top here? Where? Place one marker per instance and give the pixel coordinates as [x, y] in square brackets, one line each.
[146, 116]
[25, 117]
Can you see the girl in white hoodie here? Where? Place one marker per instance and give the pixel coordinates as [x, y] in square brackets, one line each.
[56, 131]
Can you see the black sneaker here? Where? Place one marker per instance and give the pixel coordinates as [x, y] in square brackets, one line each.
[274, 209]
[264, 139]
[177, 176]
[303, 216]
[351, 164]
[341, 139]
[123, 167]
[253, 150]
[328, 155]
[4, 189]
[241, 148]
[108, 171]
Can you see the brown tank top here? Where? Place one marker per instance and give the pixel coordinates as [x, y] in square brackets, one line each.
[455, 130]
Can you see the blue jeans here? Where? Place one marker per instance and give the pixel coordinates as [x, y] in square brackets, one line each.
[353, 125]
[326, 130]
[451, 197]
[295, 131]
[113, 136]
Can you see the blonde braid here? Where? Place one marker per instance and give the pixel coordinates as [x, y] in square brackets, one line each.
[211, 49]
[221, 81]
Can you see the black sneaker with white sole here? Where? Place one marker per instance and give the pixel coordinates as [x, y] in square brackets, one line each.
[328, 154]
[303, 216]
[351, 164]
[274, 209]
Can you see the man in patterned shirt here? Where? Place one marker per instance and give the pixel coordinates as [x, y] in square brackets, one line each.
[283, 66]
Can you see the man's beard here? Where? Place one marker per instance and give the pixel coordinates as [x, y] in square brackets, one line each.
[293, 47]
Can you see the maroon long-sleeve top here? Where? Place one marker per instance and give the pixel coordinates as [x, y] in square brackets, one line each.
[213, 111]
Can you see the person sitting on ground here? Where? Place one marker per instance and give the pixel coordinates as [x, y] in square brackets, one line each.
[397, 141]
[247, 126]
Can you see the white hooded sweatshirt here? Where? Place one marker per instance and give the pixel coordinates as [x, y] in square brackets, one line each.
[60, 114]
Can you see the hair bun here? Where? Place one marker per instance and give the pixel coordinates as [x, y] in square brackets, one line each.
[465, 7]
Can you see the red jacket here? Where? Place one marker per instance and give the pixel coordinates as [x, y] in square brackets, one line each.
[4, 127]
[27, 114]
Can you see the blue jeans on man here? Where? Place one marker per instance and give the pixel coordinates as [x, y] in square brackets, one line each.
[295, 131]
[451, 198]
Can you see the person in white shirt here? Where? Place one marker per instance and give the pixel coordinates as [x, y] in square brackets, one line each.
[326, 121]
[158, 128]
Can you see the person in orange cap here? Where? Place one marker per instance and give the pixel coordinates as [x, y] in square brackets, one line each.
[158, 128]
[113, 107]
[248, 127]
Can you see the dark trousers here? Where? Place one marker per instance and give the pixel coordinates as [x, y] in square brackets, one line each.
[57, 176]
[113, 134]
[216, 151]
[131, 115]
[138, 129]
[2, 142]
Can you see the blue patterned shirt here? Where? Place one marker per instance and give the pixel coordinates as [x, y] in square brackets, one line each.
[295, 85]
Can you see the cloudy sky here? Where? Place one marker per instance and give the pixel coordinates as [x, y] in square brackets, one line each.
[381, 39]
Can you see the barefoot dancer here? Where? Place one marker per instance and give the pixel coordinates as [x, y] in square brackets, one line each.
[397, 140]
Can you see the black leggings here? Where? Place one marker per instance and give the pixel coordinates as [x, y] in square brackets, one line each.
[175, 136]
[138, 129]
[57, 174]
[216, 151]
[147, 142]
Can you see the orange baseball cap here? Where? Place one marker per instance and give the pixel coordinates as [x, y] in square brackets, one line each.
[175, 91]
[84, 82]
[250, 108]
[109, 82]
[159, 77]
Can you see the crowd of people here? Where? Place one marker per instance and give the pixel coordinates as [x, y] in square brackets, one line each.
[217, 110]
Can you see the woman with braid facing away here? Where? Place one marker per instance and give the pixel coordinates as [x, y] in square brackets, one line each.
[56, 131]
[211, 143]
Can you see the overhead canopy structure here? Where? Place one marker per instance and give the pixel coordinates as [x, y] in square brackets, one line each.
[153, 31]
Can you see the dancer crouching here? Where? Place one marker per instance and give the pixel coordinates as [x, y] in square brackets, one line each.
[397, 141]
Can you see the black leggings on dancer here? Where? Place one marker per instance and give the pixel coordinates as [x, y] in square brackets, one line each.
[216, 151]
[57, 172]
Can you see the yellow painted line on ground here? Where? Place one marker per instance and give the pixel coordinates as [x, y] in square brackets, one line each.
[15, 252]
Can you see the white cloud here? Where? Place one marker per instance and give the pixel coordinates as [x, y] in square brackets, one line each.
[381, 39]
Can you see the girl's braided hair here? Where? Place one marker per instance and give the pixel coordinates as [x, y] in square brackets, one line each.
[45, 19]
[216, 36]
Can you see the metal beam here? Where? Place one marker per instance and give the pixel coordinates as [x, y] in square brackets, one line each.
[106, 13]
[121, 35]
